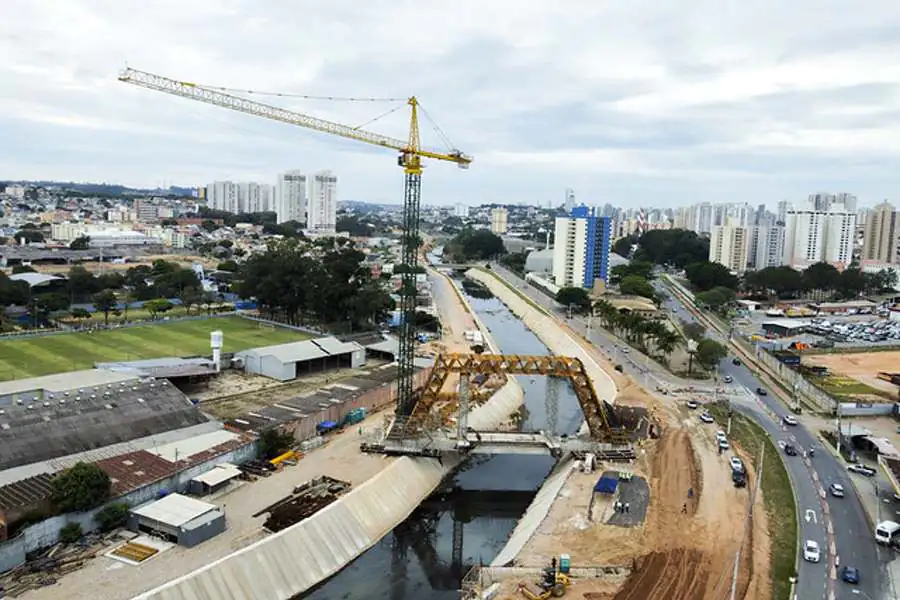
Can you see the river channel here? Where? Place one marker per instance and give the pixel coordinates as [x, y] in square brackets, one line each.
[490, 494]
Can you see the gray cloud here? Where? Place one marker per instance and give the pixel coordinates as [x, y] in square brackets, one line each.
[660, 103]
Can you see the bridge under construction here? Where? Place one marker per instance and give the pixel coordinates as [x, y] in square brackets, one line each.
[429, 429]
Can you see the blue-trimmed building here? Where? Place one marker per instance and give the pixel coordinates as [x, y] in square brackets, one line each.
[581, 252]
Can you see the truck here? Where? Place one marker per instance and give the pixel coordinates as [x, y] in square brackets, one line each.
[887, 533]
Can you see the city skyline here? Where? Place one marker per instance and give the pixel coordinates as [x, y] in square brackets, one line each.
[759, 102]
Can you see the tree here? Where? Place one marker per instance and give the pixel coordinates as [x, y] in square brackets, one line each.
[353, 225]
[105, 302]
[209, 226]
[80, 487]
[852, 283]
[13, 292]
[574, 296]
[710, 352]
[189, 297]
[30, 236]
[636, 267]
[783, 281]
[274, 442]
[706, 275]
[81, 284]
[471, 244]
[80, 314]
[23, 269]
[677, 247]
[70, 533]
[110, 281]
[716, 298]
[515, 262]
[209, 299]
[228, 265]
[623, 245]
[112, 516]
[427, 322]
[80, 243]
[157, 307]
[693, 330]
[636, 285]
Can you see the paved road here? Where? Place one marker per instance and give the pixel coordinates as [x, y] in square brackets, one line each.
[852, 535]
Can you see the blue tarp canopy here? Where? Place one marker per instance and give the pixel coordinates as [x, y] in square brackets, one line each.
[606, 485]
[325, 425]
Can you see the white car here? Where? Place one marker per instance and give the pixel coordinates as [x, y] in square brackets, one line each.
[728, 379]
[707, 418]
[736, 464]
[720, 436]
[837, 490]
[790, 420]
[811, 551]
[692, 404]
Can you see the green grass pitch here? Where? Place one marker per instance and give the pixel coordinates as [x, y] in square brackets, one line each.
[32, 357]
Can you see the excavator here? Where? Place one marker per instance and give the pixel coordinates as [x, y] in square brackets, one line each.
[554, 580]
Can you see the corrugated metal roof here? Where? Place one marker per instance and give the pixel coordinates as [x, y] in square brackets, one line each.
[334, 346]
[219, 474]
[62, 382]
[391, 346]
[291, 352]
[184, 449]
[174, 510]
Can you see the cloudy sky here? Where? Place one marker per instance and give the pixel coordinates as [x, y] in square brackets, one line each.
[633, 102]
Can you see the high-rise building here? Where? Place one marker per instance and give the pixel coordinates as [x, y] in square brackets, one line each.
[499, 220]
[290, 197]
[783, 207]
[766, 247]
[145, 211]
[321, 214]
[222, 195]
[880, 235]
[728, 245]
[700, 218]
[813, 235]
[254, 197]
[461, 211]
[570, 201]
[581, 251]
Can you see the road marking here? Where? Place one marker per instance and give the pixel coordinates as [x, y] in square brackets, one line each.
[810, 515]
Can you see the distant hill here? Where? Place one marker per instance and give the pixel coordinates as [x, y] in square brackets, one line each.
[107, 189]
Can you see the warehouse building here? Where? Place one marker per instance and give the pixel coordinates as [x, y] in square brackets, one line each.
[180, 519]
[785, 327]
[285, 362]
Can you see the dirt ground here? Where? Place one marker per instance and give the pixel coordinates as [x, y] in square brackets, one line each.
[233, 394]
[863, 366]
[675, 555]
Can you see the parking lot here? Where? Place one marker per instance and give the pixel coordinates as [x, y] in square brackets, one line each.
[856, 331]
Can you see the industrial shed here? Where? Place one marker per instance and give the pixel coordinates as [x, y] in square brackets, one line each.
[289, 361]
[785, 327]
[180, 519]
[213, 480]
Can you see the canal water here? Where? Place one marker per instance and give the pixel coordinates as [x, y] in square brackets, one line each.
[490, 494]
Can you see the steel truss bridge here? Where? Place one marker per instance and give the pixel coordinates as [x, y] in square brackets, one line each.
[424, 431]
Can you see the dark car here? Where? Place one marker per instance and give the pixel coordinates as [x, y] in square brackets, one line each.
[790, 450]
[739, 479]
[850, 574]
[736, 361]
[762, 392]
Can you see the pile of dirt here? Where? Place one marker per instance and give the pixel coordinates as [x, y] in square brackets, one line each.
[678, 573]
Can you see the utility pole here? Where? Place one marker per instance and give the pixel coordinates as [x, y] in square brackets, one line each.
[753, 495]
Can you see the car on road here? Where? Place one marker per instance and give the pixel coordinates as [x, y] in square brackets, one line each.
[739, 479]
[706, 417]
[790, 420]
[811, 551]
[790, 450]
[728, 379]
[736, 464]
[692, 404]
[736, 361]
[862, 470]
[837, 490]
[850, 574]
[721, 436]
[723, 445]
[762, 392]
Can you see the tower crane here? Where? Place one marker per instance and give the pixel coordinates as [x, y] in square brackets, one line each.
[410, 159]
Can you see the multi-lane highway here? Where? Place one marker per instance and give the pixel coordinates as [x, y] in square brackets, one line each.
[838, 524]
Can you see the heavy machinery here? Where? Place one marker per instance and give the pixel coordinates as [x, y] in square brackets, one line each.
[410, 160]
[554, 581]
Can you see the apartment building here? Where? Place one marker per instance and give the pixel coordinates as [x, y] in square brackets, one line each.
[321, 212]
[581, 253]
[499, 221]
[728, 245]
[290, 197]
[821, 230]
[880, 235]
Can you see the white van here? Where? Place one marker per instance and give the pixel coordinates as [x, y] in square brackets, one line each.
[887, 531]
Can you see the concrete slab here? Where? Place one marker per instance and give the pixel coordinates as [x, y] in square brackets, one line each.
[636, 493]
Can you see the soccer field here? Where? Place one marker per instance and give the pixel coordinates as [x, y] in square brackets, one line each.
[30, 357]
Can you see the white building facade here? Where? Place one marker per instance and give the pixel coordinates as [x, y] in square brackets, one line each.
[813, 235]
[321, 214]
[290, 197]
[728, 245]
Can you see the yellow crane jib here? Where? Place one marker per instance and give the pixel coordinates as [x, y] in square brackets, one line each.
[410, 159]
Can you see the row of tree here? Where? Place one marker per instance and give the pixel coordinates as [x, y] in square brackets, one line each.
[323, 281]
[650, 336]
[474, 244]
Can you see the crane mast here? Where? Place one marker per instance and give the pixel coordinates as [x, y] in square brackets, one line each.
[410, 158]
